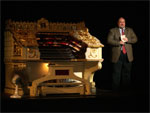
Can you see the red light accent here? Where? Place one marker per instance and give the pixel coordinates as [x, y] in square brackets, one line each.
[62, 72]
[64, 43]
[49, 42]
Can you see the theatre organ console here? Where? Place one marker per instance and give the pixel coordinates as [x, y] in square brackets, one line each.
[51, 57]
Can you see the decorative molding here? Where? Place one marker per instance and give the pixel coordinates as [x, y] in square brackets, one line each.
[25, 32]
[43, 25]
[86, 37]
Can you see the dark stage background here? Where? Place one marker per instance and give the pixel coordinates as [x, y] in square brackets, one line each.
[99, 17]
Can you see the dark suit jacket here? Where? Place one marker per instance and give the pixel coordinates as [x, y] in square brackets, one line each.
[113, 39]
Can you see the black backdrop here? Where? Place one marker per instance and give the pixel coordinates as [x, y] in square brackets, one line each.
[99, 17]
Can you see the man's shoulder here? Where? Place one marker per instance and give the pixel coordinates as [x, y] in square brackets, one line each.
[129, 28]
[114, 29]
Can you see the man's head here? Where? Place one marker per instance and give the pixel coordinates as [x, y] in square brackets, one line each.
[121, 22]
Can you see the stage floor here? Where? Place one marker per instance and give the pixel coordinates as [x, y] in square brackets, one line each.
[103, 101]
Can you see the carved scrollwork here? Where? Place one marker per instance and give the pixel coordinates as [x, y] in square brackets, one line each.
[86, 37]
[93, 53]
[17, 50]
[25, 32]
[43, 24]
[32, 53]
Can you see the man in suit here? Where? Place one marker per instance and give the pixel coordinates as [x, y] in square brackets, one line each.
[121, 39]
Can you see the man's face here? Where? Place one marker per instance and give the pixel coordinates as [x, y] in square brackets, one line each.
[121, 23]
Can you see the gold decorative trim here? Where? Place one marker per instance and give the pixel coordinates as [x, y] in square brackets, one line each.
[25, 32]
[86, 37]
[17, 50]
[43, 25]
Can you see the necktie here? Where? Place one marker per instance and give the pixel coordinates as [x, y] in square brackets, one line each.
[123, 47]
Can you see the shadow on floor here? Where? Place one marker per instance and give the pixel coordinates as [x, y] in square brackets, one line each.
[103, 101]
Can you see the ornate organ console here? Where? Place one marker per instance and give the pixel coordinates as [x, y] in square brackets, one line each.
[53, 57]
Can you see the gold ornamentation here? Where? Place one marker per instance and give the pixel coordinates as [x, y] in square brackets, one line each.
[32, 53]
[25, 32]
[17, 50]
[93, 53]
[43, 25]
[86, 37]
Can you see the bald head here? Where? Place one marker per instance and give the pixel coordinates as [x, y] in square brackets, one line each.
[121, 22]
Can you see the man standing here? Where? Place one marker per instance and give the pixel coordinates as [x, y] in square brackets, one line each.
[121, 39]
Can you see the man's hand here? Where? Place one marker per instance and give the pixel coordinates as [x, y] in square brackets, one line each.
[121, 42]
[125, 39]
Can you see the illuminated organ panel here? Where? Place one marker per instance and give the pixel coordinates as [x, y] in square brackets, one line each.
[49, 55]
[60, 46]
